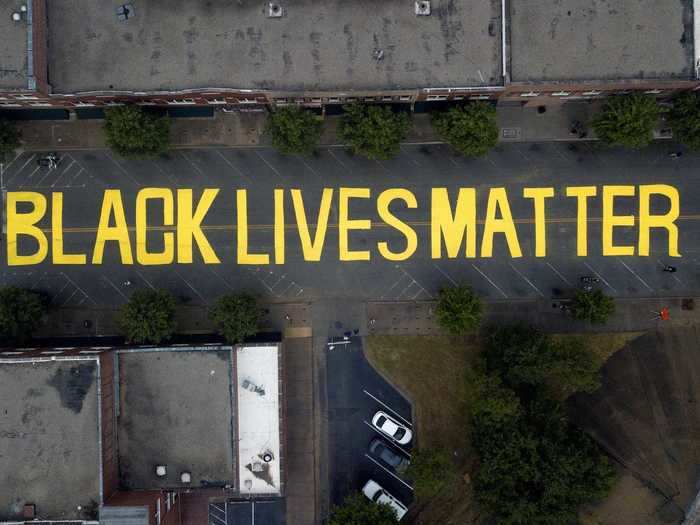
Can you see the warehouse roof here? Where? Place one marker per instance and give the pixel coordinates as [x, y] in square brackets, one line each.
[560, 40]
[13, 48]
[315, 45]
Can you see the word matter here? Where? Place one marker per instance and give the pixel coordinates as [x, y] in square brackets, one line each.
[452, 224]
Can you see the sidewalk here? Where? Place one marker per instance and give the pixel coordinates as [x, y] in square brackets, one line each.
[631, 315]
[518, 124]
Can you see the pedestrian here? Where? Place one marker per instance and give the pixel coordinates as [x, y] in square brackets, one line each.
[675, 154]
[670, 269]
[127, 283]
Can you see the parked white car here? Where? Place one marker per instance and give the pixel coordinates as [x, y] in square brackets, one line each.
[392, 428]
[376, 493]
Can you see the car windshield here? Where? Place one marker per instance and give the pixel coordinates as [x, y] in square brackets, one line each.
[377, 495]
[381, 421]
[401, 432]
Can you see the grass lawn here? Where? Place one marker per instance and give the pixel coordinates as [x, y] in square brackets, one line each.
[434, 372]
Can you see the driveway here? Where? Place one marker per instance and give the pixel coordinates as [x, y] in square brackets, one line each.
[355, 392]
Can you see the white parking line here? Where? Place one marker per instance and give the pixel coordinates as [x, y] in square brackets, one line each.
[445, 274]
[268, 164]
[489, 280]
[559, 274]
[635, 274]
[389, 472]
[600, 277]
[234, 168]
[19, 170]
[388, 408]
[526, 280]
[115, 287]
[122, 169]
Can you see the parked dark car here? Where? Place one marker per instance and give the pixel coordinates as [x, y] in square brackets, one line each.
[387, 456]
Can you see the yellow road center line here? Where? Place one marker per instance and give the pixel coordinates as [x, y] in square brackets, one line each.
[334, 226]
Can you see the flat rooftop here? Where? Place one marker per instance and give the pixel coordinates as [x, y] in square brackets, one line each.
[560, 40]
[316, 45]
[258, 402]
[13, 47]
[175, 410]
[49, 439]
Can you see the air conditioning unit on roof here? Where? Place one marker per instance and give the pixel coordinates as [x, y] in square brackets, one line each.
[274, 10]
[423, 7]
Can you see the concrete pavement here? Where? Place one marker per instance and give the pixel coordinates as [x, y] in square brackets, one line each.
[242, 129]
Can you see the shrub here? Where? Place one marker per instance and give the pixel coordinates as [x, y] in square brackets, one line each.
[148, 317]
[131, 132]
[9, 139]
[593, 306]
[458, 310]
[430, 470]
[358, 510]
[627, 120]
[20, 313]
[374, 132]
[294, 131]
[236, 316]
[685, 119]
[472, 129]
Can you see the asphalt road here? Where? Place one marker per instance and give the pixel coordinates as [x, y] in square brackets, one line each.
[357, 392]
[84, 175]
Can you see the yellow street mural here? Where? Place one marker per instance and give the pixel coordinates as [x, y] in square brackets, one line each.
[452, 227]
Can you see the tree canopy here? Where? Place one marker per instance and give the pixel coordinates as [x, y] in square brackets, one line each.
[535, 467]
[471, 129]
[685, 119]
[9, 139]
[20, 313]
[459, 309]
[627, 120]
[358, 510]
[294, 130]
[236, 316]
[374, 132]
[131, 132]
[521, 355]
[148, 317]
[593, 306]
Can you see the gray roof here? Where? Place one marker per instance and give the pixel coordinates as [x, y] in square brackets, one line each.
[559, 40]
[317, 45]
[13, 48]
[124, 516]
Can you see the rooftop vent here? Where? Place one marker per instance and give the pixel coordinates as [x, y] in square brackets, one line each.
[423, 7]
[186, 477]
[274, 10]
[125, 11]
[16, 17]
[160, 471]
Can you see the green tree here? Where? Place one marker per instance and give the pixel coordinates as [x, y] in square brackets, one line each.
[374, 132]
[9, 139]
[472, 129]
[685, 119]
[236, 316]
[358, 510]
[430, 470]
[523, 356]
[20, 313]
[627, 120]
[294, 131]
[148, 317]
[459, 309]
[131, 132]
[593, 306]
[534, 467]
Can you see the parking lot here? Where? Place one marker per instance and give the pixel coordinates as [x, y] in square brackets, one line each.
[355, 393]
[83, 176]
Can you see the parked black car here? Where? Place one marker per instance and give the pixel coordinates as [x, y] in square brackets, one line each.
[387, 456]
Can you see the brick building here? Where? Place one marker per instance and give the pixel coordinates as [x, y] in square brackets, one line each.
[145, 436]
